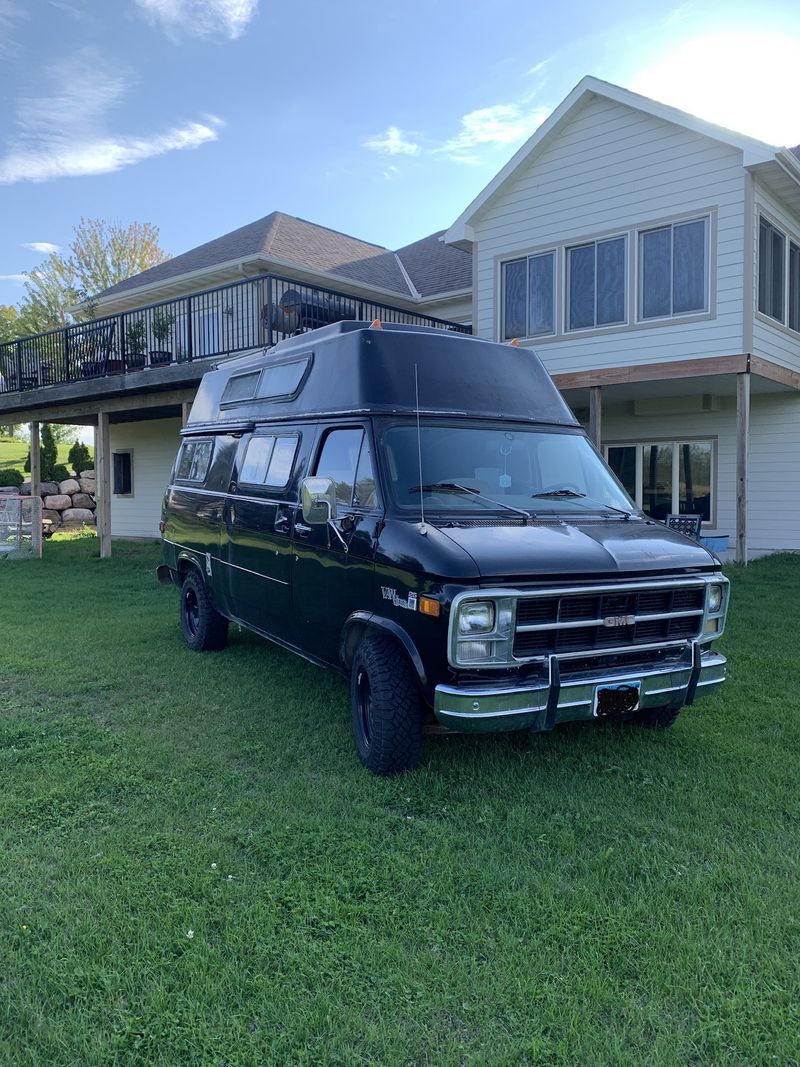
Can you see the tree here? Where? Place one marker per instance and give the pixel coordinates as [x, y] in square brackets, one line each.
[48, 453]
[15, 322]
[64, 287]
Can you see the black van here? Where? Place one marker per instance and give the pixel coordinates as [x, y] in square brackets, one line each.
[421, 511]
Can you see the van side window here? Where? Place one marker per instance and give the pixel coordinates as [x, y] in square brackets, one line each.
[339, 460]
[194, 461]
[269, 460]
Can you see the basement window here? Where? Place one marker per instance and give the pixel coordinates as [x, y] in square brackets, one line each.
[123, 473]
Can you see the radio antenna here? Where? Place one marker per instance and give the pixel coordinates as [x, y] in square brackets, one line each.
[423, 529]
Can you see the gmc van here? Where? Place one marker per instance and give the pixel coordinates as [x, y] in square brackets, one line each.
[421, 511]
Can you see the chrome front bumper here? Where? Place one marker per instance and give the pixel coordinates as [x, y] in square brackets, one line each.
[539, 707]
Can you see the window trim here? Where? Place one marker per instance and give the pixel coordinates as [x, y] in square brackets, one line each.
[639, 295]
[790, 238]
[123, 452]
[676, 441]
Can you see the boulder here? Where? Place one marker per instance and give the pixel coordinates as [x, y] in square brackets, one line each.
[24, 489]
[87, 474]
[51, 519]
[82, 500]
[69, 486]
[10, 490]
[77, 516]
[48, 489]
[88, 485]
[57, 502]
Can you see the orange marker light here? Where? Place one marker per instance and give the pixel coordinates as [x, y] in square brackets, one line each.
[514, 342]
[376, 324]
[429, 606]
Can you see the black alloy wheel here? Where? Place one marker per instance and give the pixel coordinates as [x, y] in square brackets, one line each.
[386, 708]
[204, 629]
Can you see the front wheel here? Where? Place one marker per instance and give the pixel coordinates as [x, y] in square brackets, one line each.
[204, 629]
[387, 717]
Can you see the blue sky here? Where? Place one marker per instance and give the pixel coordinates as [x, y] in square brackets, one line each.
[381, 119]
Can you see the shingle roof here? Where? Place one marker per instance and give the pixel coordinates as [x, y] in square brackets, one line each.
[435, 267]
[796, 151]
[432, 266]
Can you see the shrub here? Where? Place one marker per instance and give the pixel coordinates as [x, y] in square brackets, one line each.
[79, 457]
[58, 473]
[11, 477]
[48, 454]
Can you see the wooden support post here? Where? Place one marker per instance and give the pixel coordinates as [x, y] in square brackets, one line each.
[36, 460]
[596, 414]
[742, 442]
[102, 462]
[186, 408]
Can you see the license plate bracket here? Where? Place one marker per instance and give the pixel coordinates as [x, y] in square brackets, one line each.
[615, 699]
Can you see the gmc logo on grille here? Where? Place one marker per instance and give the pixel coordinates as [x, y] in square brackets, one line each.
[619, 620]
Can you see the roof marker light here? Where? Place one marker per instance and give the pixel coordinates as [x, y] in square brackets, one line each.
[376, 324]
[514, 342]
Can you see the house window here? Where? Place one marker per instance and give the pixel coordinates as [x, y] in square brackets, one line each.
[771, 270]
[794, 286]
[123, 473]
[529, 296]
[596, 284]
[666, 477]
[673, 269]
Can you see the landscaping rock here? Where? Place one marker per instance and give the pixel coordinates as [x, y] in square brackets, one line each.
[58, 502]
[88, 485]
[10, 490]
[77, 516]
[51, 519]
[82, 500]
[48, 489]
[25, 489]
[87, 474]
[69, 486]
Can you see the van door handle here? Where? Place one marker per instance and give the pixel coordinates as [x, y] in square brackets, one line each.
[302, 530]
[282, 524]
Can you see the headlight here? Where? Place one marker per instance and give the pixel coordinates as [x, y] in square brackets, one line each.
[714, 598]
[476, 618]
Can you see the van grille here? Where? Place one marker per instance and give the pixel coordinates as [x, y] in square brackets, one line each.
[582, 622]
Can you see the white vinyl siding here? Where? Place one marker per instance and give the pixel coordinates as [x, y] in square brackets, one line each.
[154, 444]
[609, 169]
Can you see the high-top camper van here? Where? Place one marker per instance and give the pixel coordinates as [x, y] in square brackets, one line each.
[421, 511]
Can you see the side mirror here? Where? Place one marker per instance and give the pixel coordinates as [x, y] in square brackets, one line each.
[319, 500]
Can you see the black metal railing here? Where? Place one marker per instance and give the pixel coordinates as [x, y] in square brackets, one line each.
[253, 313]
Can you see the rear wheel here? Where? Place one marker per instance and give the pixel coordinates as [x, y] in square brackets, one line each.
[204, 629]
[387, 717]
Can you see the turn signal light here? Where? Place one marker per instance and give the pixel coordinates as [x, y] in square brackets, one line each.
[428, 606]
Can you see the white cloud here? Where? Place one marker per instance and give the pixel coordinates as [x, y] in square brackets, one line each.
[201, 18]
[21, 278]
[42, 246]
[704, 77]
[393, 142]
[499, 125]
[65, 134]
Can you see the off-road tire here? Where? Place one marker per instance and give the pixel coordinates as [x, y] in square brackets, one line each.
[656, 718]
[386, 709]
[204, 629]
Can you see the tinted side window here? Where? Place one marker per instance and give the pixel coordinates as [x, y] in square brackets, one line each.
[269, 460]
[194, 460]
[365, 494]
[339, 460]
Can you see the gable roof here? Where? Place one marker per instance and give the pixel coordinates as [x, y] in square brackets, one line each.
[755, 152]
[291, 240]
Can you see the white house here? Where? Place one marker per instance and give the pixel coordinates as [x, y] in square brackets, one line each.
[652, 260]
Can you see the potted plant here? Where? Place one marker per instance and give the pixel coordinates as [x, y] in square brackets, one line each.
[163, 321]
[135, 344]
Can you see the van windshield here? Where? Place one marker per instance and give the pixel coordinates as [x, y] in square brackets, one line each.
[495, 468]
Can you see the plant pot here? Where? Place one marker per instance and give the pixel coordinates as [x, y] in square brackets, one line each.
[135, 361]
[159, 357]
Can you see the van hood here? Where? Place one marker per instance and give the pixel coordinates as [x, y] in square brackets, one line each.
[602, 548]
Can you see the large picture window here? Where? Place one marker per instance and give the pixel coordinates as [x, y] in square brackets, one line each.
[596, 284]
[529, 296]
[673, 269]
[667, 477]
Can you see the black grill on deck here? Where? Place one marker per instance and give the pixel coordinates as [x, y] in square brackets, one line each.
[554, 611]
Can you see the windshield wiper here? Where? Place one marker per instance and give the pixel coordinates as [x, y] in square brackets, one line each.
[566, 493]
[455, 487]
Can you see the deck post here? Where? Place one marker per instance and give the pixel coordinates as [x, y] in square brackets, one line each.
[186, 408]
[102, 462]
[742, 442]
[596, 414]
[36, 484]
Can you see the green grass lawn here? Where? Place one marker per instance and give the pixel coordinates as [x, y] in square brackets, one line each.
[196, 869]
[13, 453]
